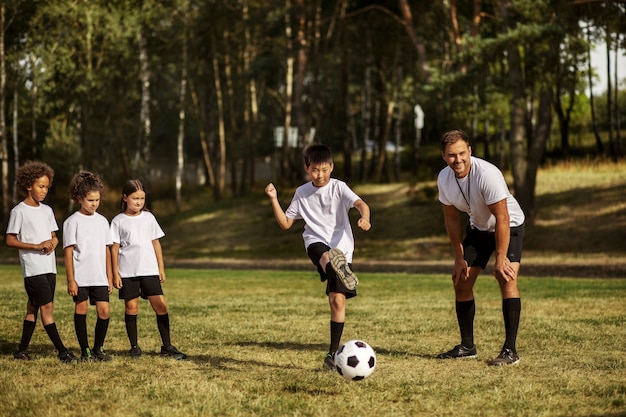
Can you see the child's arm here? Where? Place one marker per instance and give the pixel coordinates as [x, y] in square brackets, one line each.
[364, 209]
[281, 218]
[46, 247]
[117, 280]
[159, 255]
[72, 287]
[109, 270]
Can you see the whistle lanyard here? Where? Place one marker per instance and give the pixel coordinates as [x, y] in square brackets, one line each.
[467, 199]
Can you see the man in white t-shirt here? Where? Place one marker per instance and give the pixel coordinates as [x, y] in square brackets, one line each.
[496, 224]
[323, 204]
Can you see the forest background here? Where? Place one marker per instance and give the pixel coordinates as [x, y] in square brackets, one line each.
[195, 96]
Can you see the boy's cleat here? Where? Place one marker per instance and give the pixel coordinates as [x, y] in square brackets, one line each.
[100, 355]
[342, 269]
[87, 356]
[22, 355]
[135, 352]
[329, 362]
[67, 357]
[506, 357]
[459, 352]
[171, 352]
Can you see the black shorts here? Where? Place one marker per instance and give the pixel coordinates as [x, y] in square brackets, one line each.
[143, 287]
[95, 293]
[478, 246]
[40, 288]
[333, 284]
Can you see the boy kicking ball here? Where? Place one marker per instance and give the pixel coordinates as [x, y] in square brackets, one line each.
[323, 203]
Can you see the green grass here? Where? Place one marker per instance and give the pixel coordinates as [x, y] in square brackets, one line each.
[256, 341]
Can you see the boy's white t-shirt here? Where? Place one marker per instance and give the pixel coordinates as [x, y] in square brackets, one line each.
[483, 186]
[325, 214]
[135, 235]
[90, 235]
[34, 225]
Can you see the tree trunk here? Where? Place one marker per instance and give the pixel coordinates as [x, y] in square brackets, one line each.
[145, 122]
[221, 178]
[16, 148]
[285, 166]
[180, 148]
[251, 111]
[4, 154]
[594, 122]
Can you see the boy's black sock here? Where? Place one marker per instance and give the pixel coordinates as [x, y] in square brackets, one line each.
[102, 325]
[511, 309]
[163, 323]
[28, 328]
[53, 334]
[131, 328]
[336, 330]
[80, 327]
[465, 312]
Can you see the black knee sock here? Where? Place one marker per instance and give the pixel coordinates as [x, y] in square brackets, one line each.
[336, 330]
[102, 325]
[511, 308]
[53, 334]
[163, 323]
[131, 328]
[80, 326]
[465, 311]
[28, 328]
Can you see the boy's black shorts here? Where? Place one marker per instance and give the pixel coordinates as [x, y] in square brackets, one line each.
[143, 287]
[333, 283]
[40, 288]
[95, 293]
[479, 246]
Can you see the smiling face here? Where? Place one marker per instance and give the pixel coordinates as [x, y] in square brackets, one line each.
[134, 202]
[457, 156]
[39, 190]
[89, 205]
[319, 173]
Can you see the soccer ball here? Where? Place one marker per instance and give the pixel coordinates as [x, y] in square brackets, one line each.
[355, 360]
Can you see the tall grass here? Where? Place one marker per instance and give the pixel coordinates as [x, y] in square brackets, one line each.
[256, 341]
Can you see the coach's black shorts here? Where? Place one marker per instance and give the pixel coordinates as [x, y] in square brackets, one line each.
[143, 287]
[95, 293]
[478, 246]
[333, 283]
[40, 288]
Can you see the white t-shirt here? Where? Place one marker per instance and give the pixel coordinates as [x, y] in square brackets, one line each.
[325, 214]
[90, 235]
[135, 235]
[34, 225]
[483, 186]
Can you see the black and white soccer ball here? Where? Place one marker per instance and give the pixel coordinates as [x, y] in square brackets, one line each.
[355, 360]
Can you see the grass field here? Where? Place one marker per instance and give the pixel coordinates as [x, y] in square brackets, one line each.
[256, 341]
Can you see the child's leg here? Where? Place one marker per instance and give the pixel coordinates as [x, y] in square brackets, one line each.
[162, 317]
[47, 318]
[28, 327]
[80, 325]
[130, 319]
[337, 303]
[102, 324]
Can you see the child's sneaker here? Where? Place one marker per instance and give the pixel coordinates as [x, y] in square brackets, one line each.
[135, 352]
[171, 352]
[342, 269]
[87, 356]
[22, 355]
[100, 355]
[67, 357]
[329, 362]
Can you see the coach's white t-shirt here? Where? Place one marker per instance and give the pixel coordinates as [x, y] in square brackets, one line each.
[135, 235]
[325, 214]
[33, 225]
[90, 236]
[483, 186]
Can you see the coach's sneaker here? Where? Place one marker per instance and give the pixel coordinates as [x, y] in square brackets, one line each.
[22, 355]
[67, 357]
[342, 269]
[100, 355]
[171, 352]
[506, 357]
[135, 352]
[329, 362]
[459, 352]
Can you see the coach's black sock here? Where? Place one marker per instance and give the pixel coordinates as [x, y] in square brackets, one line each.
[336, 330]
[102, 325]
[80, 326]
[511, 309]
[131, 328]
[28, 329]
[465, 311]
[163, 323]
[53, 334]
